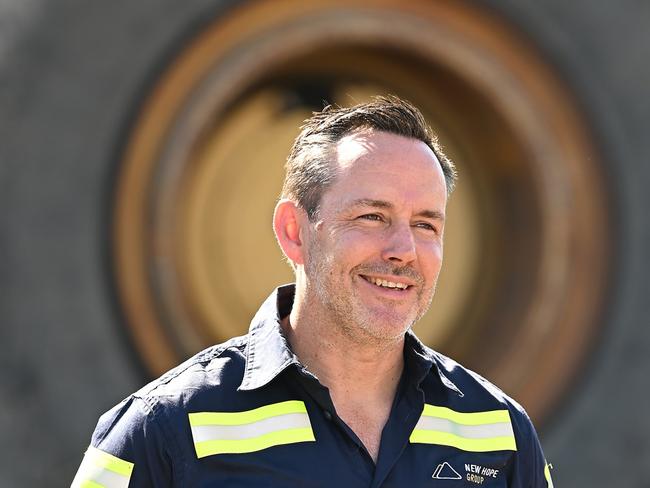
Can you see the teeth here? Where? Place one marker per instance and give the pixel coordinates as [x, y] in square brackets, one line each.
[388, 284]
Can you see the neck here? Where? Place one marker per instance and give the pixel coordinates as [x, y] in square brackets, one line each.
[362, 373]
[349, 366]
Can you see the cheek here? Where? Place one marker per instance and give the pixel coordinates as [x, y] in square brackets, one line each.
[357, 245]
[430, 257]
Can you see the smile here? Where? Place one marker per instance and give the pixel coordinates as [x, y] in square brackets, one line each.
[391, 285]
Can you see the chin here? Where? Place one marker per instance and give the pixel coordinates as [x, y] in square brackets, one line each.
[397, 318]
[387, 326]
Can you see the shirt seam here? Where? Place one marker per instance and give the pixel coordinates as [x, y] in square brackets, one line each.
[156, 417]
[212, 353]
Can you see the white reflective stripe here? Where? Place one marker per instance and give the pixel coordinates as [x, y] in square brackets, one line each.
[108, 479]
[96, 471]
[202, 433]
[501, 429]
[483, 431]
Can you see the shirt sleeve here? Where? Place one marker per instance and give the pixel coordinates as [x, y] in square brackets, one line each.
[530, 469]
[128, 450]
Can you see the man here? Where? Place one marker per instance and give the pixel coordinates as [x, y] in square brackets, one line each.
[330, 387]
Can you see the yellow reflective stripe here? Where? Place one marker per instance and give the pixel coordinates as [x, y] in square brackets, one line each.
[249, 416]
[100, 469]
[463, 443]
[251, 430]
[547, 475]
[473, 418]
[90, 484]
[108, 461]
[473, 431]
[237, 446]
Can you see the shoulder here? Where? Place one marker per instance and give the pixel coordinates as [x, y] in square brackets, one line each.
[209, 377]
[219, 366]
[477, 394]
[148, 432]
[472, 387]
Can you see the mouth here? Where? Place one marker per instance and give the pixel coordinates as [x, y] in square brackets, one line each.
[393, 283]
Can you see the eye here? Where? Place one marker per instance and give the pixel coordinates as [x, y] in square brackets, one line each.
[426, 226]
[375, 217]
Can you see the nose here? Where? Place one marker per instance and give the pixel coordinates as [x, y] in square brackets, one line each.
[399, 246]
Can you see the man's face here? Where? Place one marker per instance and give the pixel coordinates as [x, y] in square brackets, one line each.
[373, 257]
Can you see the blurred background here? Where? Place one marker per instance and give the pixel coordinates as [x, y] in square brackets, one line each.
[141, 153]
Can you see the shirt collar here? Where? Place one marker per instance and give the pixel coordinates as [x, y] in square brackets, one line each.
[268, 352]
[420, 360]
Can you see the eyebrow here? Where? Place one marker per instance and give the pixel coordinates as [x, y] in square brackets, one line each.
[369, 202]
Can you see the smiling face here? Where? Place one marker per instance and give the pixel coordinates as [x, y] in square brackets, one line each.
[372, 258]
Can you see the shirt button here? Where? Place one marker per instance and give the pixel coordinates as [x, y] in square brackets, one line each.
[327, 414]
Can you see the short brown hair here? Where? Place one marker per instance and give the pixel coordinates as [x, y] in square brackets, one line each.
[309, 171]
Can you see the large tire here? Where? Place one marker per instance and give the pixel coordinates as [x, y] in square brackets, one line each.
[72, 75]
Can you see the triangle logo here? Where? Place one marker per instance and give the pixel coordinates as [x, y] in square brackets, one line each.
[444, 471]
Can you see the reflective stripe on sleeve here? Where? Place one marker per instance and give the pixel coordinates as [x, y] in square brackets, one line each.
[100, 469]
[475, 432]
[251, 430]
[547, 475]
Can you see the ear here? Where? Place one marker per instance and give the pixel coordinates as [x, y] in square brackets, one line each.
[287, 224]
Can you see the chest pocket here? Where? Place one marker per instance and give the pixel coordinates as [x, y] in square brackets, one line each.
[251, 430]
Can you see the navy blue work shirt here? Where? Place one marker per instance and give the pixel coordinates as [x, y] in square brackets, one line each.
[247, 413]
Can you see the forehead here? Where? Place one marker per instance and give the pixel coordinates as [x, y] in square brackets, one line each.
[382, 165]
